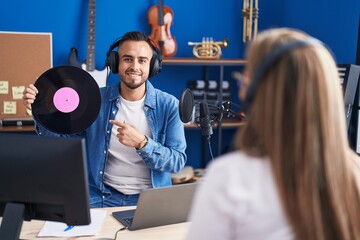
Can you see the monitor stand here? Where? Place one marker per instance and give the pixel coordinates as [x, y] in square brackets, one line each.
[12, 221]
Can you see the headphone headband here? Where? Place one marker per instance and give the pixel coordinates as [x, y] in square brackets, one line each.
[273, 57]
[114, 45]
[112, 57]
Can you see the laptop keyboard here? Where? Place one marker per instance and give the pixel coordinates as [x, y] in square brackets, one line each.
[128, 220]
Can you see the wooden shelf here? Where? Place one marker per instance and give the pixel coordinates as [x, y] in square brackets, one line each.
[224, 125]
[10, 129]
[204, 62]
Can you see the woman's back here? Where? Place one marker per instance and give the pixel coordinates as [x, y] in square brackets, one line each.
[239, 191]
[296, 120]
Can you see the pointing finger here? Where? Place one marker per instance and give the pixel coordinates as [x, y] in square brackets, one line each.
[119, 124]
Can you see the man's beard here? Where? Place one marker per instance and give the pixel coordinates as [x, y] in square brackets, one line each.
[133, 85]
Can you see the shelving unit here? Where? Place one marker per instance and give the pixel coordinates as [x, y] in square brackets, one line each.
[204, 62]
[221, 63]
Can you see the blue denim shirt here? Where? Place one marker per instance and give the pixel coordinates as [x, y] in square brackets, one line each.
[163, 154]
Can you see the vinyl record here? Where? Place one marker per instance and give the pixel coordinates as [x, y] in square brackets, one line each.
[68, 101]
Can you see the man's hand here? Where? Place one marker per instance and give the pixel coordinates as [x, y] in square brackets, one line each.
[29, 96]
[128, 134]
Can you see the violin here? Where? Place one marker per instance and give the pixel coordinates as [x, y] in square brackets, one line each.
[160, 18]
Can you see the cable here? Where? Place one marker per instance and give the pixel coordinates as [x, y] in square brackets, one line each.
[121, 229]
[210, 150]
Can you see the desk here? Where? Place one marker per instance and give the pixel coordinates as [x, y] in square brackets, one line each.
[110, 227]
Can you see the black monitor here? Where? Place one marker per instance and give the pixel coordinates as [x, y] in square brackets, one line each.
[42, 178]
[358, 46]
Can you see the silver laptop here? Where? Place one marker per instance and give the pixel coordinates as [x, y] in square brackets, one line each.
[159, 206]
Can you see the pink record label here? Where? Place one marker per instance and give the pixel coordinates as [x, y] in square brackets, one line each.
[66, 99]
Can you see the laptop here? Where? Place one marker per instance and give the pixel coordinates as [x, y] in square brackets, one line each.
[159, 206]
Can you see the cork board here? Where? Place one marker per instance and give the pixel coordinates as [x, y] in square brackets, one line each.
[23, 58]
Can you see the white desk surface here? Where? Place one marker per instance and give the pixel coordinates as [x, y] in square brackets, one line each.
[109, 229]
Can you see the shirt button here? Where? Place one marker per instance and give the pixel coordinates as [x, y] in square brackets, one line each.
[104, 152]
[103, 196]
[108, 132]
[101, 172]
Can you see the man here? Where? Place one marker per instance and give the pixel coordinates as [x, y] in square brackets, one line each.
[138, 139]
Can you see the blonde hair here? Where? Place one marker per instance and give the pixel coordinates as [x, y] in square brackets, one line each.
[297, 119]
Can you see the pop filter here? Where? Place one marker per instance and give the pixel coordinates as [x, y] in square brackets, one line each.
[186, 105]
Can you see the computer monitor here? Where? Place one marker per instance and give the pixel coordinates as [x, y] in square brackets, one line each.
[42, 178]
[358, 46]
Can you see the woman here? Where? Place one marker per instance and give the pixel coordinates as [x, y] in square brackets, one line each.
[294, 175]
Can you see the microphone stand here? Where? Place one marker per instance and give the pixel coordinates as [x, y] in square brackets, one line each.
[186, 107]
[224, 110]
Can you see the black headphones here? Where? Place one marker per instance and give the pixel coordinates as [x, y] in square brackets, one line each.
[112, 57]
[271, 59]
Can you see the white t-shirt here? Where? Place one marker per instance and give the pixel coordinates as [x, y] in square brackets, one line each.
[238, 200]
[125, 169]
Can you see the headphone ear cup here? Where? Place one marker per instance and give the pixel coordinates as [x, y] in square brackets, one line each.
[113, 61]
[155, 64]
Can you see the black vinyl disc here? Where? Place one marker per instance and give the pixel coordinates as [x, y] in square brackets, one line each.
[68, 101]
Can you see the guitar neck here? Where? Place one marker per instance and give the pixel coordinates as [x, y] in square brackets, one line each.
[90, 55]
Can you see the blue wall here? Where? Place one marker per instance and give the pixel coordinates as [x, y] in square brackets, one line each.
[333, 22]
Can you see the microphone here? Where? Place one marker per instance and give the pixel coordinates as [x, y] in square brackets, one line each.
[205, 123]
[186, 105]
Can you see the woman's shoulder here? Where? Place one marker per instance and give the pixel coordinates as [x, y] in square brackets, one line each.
[240, 168]
[239, 159]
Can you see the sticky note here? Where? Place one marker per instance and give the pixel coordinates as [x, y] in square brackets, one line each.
[9, 107]
[4, 87]
[17, 92]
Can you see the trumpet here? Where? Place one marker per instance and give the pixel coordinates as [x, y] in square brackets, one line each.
[208, 49]
[250, 15]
